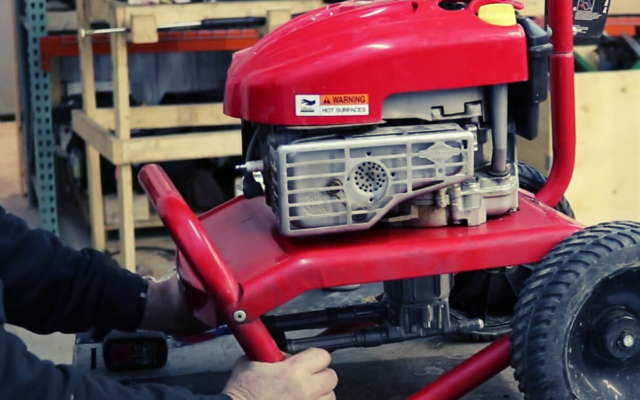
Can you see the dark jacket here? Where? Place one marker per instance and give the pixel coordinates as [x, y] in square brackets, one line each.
[46, 287]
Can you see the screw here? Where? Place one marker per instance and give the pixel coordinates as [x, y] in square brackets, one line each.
[239, 316]
[627, 340]
[513, 210]
[334, 182]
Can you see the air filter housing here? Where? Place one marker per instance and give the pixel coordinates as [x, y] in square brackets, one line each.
[345, 182]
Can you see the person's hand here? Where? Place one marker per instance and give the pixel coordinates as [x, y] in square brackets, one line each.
[305, 376]
[167, 310]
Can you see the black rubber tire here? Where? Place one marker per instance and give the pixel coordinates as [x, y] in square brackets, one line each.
[552, 298]
[532, 181]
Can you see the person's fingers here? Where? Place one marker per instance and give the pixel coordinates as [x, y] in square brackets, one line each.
[330, 396]
[311, 360]
[323, 383]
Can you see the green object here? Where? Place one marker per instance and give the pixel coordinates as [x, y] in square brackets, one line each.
[582, 65]
[31, 25]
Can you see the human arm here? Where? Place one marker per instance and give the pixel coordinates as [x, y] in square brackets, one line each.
[50, 287]
[24, 376]
[46, 287]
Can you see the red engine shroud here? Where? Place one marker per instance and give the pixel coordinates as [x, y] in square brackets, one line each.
[379, 48]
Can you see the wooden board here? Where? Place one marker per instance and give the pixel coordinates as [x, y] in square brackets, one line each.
[156, 148]
[535, 8]
[88, 126]
[95, 135]
[143, 29]
[606, 185]
[606, 182]
[19, 124]
[182, 147]
[9, 160]
[82, 202]
[157, 117]
[140, 209]
[154, 221]
[175, 13]
[178, 13]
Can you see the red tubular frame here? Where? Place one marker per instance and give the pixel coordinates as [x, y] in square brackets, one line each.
[194, 243]
[563, 113]
[470, 374]
[495, 358]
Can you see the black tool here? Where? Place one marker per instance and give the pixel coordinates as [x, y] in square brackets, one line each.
[130, 351]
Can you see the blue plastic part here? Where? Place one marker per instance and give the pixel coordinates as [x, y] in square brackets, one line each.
[38, 118]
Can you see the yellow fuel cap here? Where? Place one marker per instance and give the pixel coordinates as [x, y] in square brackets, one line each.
[498, 14]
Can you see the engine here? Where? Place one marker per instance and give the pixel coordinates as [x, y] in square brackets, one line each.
[453, 165]
[421, 131]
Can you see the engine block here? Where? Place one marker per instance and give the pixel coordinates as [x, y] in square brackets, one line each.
[347, 182]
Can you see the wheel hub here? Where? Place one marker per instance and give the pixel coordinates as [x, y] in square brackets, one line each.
[603, 347]
[618, 330]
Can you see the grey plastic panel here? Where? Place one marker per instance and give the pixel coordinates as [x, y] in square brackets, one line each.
[350, 183]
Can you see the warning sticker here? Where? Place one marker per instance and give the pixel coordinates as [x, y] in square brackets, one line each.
[344, 99]
[589, 17]
[344, 110]
[332, 105]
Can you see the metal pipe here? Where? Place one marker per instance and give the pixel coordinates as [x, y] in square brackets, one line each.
[257, 342]
[327, 318]
[563, 113]
[499, 128]
[210, 23]
[470, 374]
[369, 337]
[206, 263]
[106, 31]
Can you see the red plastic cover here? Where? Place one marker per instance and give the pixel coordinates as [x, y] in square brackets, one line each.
[359, 52]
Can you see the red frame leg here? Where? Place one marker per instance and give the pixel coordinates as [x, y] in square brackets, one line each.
[212, 271]
[470, 374]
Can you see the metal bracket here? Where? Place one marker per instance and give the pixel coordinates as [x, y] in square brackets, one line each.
[44, 180]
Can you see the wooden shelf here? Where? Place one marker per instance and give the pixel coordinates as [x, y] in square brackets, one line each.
[52, 47]
[107, 132]
[222, 143]
[121, 14]
[153, 222]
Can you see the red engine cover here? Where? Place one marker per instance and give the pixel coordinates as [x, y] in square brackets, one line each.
[368, 50]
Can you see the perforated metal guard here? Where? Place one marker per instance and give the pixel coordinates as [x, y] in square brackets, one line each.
[370, 177]
[350, 183]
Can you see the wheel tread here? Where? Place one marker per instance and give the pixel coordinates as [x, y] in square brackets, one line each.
[543, 294]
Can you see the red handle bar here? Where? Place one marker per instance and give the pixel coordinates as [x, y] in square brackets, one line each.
[195, 245]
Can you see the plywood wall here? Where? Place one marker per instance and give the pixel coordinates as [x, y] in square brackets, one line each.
[9, 160]
[606, 182]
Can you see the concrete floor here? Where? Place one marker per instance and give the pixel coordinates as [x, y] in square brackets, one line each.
[390, 372]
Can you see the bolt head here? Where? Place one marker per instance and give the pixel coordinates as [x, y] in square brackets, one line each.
[239, 316]
[627, 340]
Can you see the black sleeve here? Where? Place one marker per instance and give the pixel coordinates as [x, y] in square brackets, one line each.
[47, 287]
[50, 287]
[24, 376]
